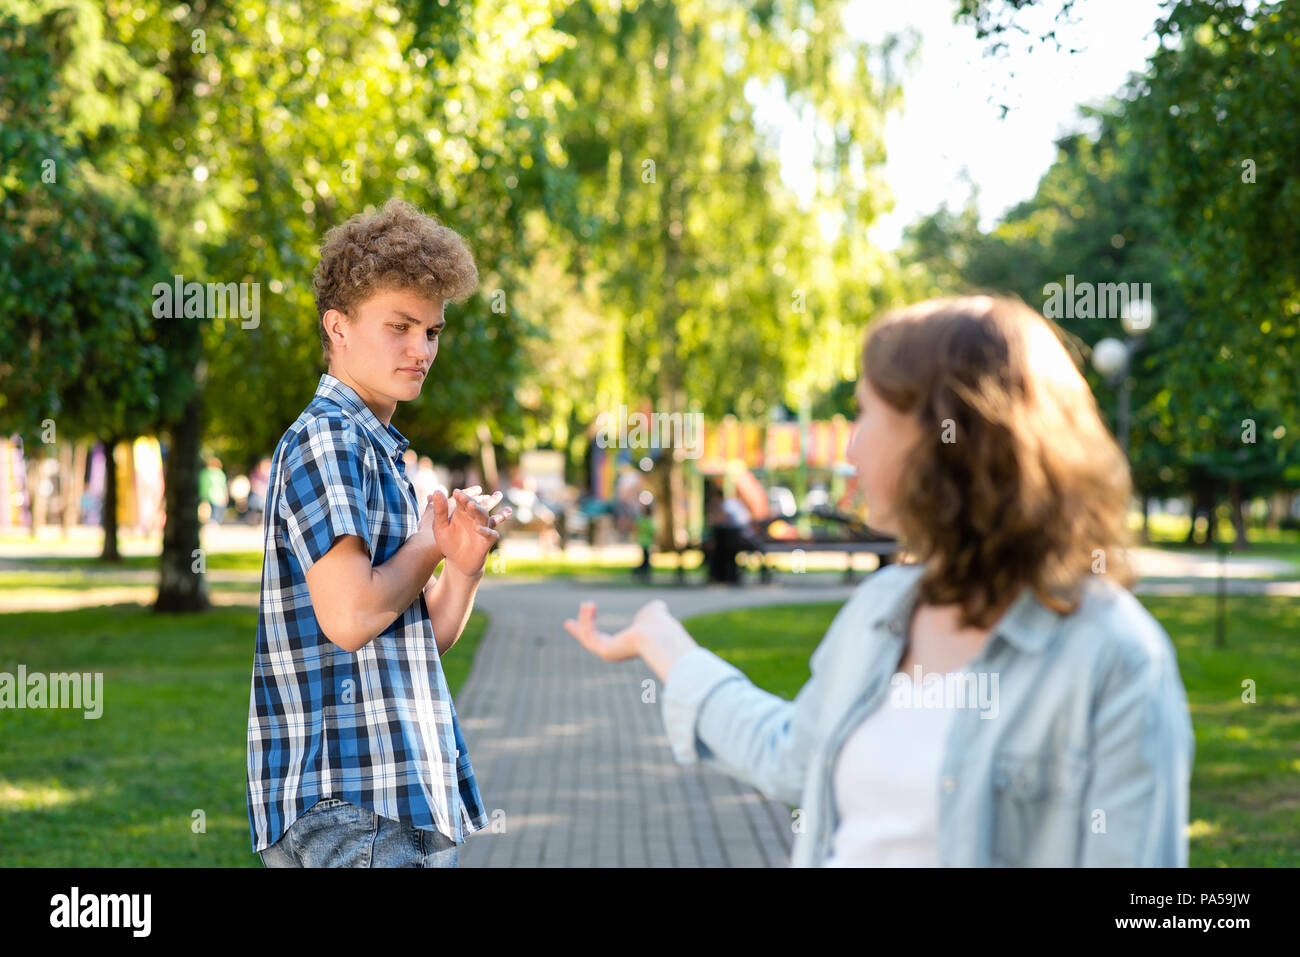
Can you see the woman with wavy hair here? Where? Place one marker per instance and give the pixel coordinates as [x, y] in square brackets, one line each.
[1001, 699]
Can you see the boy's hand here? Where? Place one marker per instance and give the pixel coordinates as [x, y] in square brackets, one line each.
[426, 529]
[464, 529]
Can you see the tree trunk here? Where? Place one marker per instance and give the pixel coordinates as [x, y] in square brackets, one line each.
[1146, 520]
[1203, 501]
[1238, 518]
[74, 486]
[182, 585]
[35, 496]
[108, 513]
[1278, 508]
[488, 459]
[674, 197]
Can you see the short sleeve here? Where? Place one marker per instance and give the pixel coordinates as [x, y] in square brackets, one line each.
[326, 485]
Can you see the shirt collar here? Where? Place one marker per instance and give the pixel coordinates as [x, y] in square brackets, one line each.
[1028, 625]
[342, 395]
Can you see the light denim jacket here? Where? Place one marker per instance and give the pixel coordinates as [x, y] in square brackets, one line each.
[1080, 756]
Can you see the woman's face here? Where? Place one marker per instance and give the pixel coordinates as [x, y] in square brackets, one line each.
[881, 438]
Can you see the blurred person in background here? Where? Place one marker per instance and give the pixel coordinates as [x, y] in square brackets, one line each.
[213, 492]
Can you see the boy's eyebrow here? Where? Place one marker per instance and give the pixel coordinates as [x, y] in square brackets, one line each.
[439, 323]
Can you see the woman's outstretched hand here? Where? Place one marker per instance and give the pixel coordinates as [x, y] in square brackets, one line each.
[654, 635]
[619, 647]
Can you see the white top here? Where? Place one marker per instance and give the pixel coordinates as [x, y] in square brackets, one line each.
[886, 782]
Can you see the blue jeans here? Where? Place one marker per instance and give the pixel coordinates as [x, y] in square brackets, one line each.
[334, 833]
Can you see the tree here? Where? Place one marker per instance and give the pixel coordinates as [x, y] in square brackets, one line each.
[1155, 196]
[723, 284]
[79, 354]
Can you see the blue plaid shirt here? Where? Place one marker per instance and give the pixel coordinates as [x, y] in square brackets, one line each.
[377, 727]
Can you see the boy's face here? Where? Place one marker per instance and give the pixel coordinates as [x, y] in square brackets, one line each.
[385, 354]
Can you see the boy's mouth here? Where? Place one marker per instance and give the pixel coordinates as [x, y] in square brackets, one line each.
[413, 371]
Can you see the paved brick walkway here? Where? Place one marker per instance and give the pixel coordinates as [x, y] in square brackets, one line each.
[575, 767]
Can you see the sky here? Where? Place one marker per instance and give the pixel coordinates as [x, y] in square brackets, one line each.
[950, 133]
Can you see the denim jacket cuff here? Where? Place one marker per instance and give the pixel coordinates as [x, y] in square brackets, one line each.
[689, 682]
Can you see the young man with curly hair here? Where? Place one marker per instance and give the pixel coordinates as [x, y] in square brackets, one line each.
[355, 753]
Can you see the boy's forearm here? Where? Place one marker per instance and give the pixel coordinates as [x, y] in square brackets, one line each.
[395, 584]
[451, 601]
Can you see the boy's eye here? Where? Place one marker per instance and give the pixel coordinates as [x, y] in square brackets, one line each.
[433, 333]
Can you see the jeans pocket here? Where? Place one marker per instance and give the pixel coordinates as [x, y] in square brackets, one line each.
[324, 804]
[438, 850]
[334, 833]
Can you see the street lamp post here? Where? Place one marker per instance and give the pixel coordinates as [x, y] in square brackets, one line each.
[1114, 360]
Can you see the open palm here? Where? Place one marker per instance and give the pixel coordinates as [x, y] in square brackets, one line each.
[617, 647]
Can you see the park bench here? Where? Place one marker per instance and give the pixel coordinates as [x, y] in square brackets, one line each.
[828, 531]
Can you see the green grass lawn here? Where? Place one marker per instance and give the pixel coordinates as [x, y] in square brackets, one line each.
[120, 790]
[1169, 532]
[1245, 792]
[224, 561]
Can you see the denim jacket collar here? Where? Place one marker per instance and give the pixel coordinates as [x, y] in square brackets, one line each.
[392, 441]
[1028, 625]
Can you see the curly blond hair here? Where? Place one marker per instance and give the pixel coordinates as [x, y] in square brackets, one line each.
[397, 247]
[1016, 481]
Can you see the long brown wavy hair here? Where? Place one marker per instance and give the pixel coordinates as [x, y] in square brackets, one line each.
[1015, 482]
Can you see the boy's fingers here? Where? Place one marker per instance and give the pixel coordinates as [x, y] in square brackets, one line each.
[476, 511]
[473, 508]
[440, 508]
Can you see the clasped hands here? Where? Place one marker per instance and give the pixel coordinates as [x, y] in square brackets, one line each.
[463, 529]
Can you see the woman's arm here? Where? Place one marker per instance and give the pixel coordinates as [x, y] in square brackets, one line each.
[1135, 810]
[712, 712]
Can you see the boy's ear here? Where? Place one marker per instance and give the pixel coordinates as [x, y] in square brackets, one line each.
[332, 318]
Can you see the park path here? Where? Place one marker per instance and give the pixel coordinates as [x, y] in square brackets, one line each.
[576, 766]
